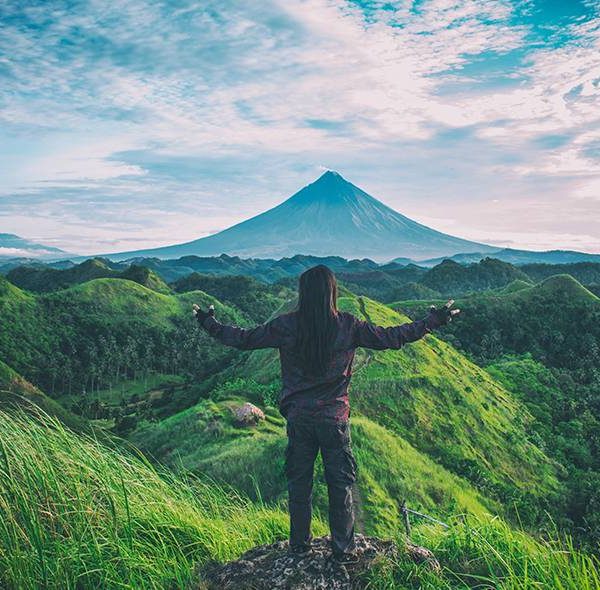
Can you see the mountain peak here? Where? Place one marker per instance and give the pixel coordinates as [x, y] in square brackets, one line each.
[331, 176]
[328, 217]
[330, 187]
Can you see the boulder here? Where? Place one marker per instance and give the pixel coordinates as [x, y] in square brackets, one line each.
[272, 567]
[247, 415]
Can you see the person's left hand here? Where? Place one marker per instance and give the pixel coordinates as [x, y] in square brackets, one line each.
[441, 316]
[201, 315]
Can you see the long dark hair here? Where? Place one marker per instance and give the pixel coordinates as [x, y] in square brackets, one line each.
[317, 319]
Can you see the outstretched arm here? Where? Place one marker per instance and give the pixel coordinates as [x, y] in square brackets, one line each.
[267, 335]
[369, 335]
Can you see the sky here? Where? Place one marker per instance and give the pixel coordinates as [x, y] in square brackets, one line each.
[127, 124]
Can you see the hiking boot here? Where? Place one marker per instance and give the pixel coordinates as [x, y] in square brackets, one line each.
[347, 558]
[300, 550]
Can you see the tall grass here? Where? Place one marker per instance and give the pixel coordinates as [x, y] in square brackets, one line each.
[488, 554]
[78, 514]
[75, 513]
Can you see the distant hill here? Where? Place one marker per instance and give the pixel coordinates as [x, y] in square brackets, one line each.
[256, 299]
[518, 257]
[12, 246]
[450, 278]
[91, 335]
[48, 277]
[587, 273]
[44, 279]
[387, 282]
[331, 216]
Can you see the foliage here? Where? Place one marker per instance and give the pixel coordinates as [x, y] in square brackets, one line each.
[91, 336]
[75, 514]
[542, 343]
[487, 553]
[205, 440]
[444, 406]
[43, 279]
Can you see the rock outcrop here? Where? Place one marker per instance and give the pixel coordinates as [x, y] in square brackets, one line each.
[272, 567]
[247, 415]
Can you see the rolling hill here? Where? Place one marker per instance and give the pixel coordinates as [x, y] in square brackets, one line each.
[442, 404]
[43, 279]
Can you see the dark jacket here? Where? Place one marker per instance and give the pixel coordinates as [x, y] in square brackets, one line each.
[302, 394]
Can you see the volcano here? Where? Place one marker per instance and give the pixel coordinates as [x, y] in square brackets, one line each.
[330, 216]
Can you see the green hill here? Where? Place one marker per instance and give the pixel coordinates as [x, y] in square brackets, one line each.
[146, 277]
[452, 278]
[526, 320]
[16, 391]
[44, 279]
[587, 273]
[203, 439]
[512, 287]
[257, 300]
[542, 343]
[445, 407]
[95, 334]
[105, 333]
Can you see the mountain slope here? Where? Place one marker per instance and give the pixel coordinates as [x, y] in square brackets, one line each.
[443, 405]
[204, 440]
[331, 216]
[12, 246]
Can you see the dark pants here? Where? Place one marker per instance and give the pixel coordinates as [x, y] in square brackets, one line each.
[306, 435]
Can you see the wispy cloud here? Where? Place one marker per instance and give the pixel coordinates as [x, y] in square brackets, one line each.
[145, 122]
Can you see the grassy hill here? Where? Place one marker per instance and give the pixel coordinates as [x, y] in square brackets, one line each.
[203, 439]
[78, 514]
[15, 391]
[453, 410]
[541, 342]
[444, 406]
[587, 273]
[257, 300]
[436, 405]
[92, 335]
[526, 319]
[429, 426]
[451, 278]
[43, 279]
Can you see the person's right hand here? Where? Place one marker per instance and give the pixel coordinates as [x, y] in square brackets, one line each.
[441, 316]
[201, 315]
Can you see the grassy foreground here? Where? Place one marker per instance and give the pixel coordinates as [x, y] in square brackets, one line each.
[75, 513]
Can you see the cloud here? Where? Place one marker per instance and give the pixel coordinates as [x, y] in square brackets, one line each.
[146, 116]
[22, 252]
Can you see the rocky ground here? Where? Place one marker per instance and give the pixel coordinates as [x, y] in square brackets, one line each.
[271, 567]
